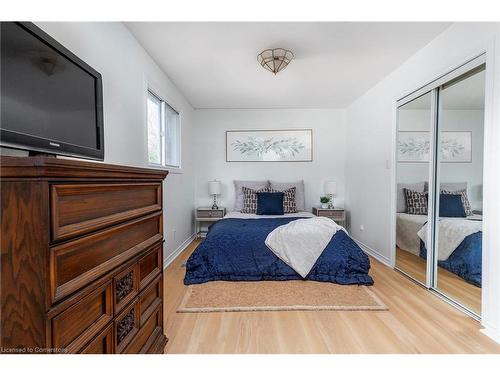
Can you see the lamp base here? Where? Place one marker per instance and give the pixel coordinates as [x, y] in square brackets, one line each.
[214, 206]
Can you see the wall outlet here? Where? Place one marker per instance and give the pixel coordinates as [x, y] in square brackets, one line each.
[173, 233]
[361, 227]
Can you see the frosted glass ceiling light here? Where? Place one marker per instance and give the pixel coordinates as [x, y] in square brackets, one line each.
[275, 60]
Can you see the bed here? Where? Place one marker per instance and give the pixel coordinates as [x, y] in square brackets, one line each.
[459, 247]
[235, 250]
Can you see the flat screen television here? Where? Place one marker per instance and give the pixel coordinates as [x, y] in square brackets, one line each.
[51, 101]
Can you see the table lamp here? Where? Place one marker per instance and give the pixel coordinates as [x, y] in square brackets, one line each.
[214, 188]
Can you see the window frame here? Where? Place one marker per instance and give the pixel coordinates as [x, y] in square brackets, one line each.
[163, 107]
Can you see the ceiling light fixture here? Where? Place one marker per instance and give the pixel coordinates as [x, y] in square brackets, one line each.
[275, 60]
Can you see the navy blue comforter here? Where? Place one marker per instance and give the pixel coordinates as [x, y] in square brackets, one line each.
[465, 261]
[234, 250]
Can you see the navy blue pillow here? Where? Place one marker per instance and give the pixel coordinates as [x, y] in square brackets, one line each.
[450, 205]
[270, 203]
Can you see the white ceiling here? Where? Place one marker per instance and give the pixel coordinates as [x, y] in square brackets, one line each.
[215, 64]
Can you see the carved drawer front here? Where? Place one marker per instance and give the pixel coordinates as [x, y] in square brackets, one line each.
[74, 327]
[78, 209]
[79, 262]
[150, 298]
[102, 343]
[150, 332]
[151, 265]
[126, 326]
[126, 286]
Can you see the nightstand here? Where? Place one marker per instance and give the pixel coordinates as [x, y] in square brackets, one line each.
[336, 214]
[206, 215]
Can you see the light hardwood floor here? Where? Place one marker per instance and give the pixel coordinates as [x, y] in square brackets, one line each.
[417, 322]
[448, 283]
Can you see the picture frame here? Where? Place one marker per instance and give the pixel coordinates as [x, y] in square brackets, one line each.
[269, 145]
[456, 146]
[414, 147]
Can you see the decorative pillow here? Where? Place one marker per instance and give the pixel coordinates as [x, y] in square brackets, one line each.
[463, 196]
[401, 199]
[250, 199]
[416, 202]
[300, 201]
[255, 185]
[450, 205]
[270, 203]
[289, 199]
[453, 186]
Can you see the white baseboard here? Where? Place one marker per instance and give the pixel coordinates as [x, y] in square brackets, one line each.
[178, 251]
[374, 253]
[491, 332]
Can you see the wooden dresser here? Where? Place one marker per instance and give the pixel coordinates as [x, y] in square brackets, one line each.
[81, 257]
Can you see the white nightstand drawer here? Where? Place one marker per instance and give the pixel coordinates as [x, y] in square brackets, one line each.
[332, 214]
[208, 214]
[336, 214]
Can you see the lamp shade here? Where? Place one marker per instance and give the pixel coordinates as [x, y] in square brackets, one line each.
[330, 187]
[214, 187]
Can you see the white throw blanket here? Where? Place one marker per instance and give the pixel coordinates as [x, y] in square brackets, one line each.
[451, 234]
[300, 242]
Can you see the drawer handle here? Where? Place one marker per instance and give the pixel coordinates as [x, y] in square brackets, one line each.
[125, 325]
[124, 286]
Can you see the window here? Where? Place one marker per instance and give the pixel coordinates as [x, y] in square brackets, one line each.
[163, 133]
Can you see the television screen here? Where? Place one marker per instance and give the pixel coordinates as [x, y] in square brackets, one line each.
[50, 99]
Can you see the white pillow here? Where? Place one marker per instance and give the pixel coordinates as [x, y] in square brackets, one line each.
[300, 198]
[238, 192]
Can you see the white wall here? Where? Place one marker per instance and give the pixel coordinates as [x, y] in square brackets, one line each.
[370, 122]
[126, 67]
[328, 151]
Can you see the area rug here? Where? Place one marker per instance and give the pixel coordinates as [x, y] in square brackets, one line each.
[219, 296]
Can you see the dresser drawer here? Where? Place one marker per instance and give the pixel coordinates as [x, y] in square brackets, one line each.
[208, 214]
[78, 209]
[150, 298]
[150, 331]
[126, 286]
[150, 266]
[74, 327]
[126, 326]
[102, 343]
[79, 262]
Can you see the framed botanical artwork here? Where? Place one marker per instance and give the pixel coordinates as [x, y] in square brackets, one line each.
[269, 145]
[456, 147]
[414, 146]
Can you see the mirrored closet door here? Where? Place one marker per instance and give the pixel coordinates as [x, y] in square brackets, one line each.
[458, 244]
[439, 184]
[412, 176]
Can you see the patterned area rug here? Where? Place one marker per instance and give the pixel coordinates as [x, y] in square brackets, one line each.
[297, 295]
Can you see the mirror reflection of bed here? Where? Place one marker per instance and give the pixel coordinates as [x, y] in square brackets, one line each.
[464, 289]
[459, 175]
